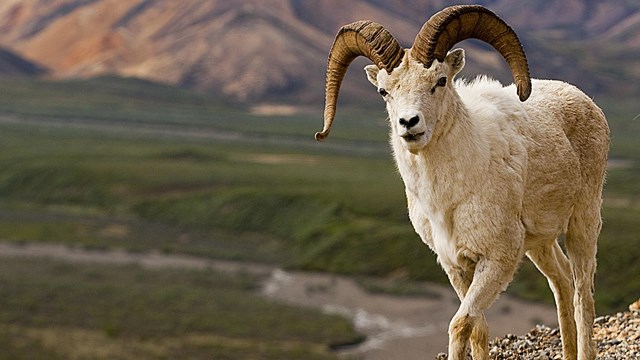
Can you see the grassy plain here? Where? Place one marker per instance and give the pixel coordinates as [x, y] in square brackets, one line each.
[68, 311]
[124, 163]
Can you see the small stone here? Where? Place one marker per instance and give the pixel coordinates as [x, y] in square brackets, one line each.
[613, 342]
[600, 320]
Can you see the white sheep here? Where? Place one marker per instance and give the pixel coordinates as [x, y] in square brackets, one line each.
[488, 177]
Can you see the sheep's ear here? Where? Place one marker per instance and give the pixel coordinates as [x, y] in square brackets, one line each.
[372, 74]
[455, 60]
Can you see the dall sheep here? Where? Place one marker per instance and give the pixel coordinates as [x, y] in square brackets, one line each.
[489, 176]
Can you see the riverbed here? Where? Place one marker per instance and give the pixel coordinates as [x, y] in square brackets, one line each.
[397, 327]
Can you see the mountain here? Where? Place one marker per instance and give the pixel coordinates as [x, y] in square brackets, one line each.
[275, 50]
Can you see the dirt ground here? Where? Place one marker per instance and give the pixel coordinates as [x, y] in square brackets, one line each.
[397, 327]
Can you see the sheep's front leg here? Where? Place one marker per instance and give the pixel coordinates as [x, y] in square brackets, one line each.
[490, 278]
[480, 339]
[461, 279]
[473, 328]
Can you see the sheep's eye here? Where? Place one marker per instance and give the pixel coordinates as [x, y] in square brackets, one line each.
[441, 82]
[383, 92]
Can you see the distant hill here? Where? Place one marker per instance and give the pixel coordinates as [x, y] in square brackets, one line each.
[275, 50]
[14, 65]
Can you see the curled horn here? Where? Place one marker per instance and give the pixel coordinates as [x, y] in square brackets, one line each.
[457, 23]
[361, 38]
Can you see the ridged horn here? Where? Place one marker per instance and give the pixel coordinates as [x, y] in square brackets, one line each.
[457, 23]
[360, 38]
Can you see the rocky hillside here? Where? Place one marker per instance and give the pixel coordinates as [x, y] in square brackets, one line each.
[275, 50]
[617, 337]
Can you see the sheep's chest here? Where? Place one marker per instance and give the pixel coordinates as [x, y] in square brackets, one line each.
[431, 214]
[436, 185]
[444, 244]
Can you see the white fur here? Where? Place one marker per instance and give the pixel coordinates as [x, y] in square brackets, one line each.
[492, 179]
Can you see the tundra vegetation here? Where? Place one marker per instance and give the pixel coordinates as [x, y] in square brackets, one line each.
[121, 163]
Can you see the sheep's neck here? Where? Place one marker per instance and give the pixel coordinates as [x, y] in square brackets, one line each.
[451, 166]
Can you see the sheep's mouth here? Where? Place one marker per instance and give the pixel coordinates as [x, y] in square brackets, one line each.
[412, 137]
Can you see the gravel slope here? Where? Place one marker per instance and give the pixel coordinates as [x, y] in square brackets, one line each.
[617, 337]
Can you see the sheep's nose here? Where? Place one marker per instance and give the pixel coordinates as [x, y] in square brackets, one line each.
[409, 123]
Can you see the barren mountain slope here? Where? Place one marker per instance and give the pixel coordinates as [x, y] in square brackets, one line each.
[275, 50]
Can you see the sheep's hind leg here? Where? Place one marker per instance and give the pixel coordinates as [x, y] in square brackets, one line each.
[491, 277]
[582, 235]
[552, 262]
